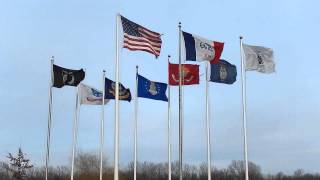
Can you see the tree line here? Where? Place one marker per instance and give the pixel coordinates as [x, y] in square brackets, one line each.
[87, 166]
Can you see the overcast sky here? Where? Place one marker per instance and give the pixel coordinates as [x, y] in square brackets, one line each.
[283, 108]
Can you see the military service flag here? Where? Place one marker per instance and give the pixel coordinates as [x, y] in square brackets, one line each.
[223, 72]
[89, 95]
[110, 91]
[200, 49]
[258, 58]
[190, 74]
[68, 77]
[151, 90]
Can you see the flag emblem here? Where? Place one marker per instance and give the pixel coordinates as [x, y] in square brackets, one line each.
[152, 88]
[137, 37]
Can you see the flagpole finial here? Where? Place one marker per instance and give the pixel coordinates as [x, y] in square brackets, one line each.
[241, 37]
[104, 71]
[169, 56]
[179, 24]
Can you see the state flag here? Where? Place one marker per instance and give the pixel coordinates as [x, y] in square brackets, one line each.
[151, 90]
[190, 74]
[89, 95]
[201, 49]
[110, 91]
[259, 58]
[223, 72]
[68, 77]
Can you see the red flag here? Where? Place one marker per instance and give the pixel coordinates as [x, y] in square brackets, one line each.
[190, 74]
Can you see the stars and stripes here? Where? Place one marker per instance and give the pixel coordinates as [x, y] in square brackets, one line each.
[137, 37]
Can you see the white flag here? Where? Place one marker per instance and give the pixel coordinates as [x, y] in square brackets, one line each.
[258, 58]
[90, 95]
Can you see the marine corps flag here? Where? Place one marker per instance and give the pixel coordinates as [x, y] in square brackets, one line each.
[68, 77]
[151, 90]
[223, 72]
[110, 91]
[190, 74]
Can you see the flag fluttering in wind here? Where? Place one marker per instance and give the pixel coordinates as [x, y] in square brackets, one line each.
[190, 74]
[110, 91]
[68, 77]
[223, 72]
[151, 90]
[89, 95]
[137, 37]
[201, 49]
[259, 58]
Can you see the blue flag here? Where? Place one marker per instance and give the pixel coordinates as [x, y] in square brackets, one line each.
[110, 91]
[223, 72]
[151, 90]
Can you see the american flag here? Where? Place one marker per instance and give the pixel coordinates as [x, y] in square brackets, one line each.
[137, 37]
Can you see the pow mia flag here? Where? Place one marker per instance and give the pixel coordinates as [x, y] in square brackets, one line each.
[68, 77]
[258, 58]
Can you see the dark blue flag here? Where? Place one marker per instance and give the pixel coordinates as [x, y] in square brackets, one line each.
[223, 72]
[110, 91]
[151, 90]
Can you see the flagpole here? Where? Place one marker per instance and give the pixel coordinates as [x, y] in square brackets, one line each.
[49, 119]
[75, 125]
[180, 107]
[169, 129]
[208, 122]
[102, 125]
[244, 109]
[116, 139]
[135, 127]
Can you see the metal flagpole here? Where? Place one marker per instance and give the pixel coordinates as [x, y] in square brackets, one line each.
[135, 127]
[169, 129]
[75, 125]
[116, 139]
[102, 125]
[208, 122]
[49, 119]
[244, 109]
[180, 106]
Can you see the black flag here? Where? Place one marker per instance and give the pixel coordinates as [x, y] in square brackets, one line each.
[69, 77]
